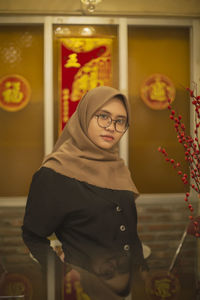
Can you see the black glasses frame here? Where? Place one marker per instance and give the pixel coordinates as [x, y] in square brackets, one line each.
[110, 120]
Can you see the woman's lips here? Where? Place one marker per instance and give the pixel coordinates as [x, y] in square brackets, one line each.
[107, 137]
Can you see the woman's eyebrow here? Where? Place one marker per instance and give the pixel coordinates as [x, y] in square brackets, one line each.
[107, 112]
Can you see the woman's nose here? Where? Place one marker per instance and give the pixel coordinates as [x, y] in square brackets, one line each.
[111, 127]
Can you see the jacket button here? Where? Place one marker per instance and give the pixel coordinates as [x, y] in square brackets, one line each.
[122, 228]
[118, 208]
[126, 247]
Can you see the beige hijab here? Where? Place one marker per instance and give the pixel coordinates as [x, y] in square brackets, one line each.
[76, 156]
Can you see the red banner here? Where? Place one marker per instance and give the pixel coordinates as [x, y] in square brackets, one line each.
[85, 64]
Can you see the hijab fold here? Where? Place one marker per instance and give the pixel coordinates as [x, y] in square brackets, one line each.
[76, 156]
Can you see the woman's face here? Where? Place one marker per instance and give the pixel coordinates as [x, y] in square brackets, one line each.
[106, 138]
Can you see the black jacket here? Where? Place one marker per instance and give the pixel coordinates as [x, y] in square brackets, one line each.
[96, 226]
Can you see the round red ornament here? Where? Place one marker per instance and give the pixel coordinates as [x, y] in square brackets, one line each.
[156, 90]
[15, 284]
[162, 285]
[14, 92]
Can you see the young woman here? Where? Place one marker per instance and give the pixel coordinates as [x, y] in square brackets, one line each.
[84, 193]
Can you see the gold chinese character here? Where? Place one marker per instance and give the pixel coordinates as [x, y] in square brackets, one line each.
[162, 287]
[158, 91]
[12, 93]
[80, 295]
[68, 288]
[15, 288]
[72, 61]
[65, 94]
[65, 105]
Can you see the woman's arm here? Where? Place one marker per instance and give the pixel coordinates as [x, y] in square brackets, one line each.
[42, 216]
[39, 247]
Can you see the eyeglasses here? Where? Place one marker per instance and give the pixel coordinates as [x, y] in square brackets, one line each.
[105, 121]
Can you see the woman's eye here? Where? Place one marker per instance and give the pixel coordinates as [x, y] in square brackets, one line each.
[121, 121]
[103, 116]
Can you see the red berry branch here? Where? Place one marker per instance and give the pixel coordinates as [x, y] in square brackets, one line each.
[191, 147]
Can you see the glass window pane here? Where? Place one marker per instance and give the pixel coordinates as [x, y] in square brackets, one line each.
[165, 51]
[21, 131]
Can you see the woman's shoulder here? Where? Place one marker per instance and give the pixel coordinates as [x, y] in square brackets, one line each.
[43, 173]
[46, 175]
